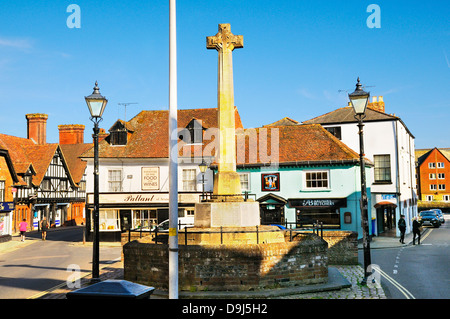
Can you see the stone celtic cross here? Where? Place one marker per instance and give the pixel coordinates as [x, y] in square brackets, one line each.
[227, 180]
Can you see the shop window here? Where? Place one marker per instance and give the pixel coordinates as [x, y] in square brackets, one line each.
[144, 219]
[108, 220]
[382, 169]
[329, 217]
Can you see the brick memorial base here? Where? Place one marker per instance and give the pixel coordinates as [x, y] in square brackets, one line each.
[230, 267]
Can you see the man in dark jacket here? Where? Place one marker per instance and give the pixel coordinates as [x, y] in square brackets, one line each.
[402, 228]
[416, 231]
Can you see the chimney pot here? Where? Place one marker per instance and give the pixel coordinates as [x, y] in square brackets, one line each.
[71, 134]
[37, 127]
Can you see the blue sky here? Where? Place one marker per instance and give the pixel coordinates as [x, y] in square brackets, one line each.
[297, 56]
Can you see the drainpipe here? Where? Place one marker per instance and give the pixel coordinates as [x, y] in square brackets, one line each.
[398, 176]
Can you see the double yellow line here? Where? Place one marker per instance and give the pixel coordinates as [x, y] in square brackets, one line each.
[402, 289]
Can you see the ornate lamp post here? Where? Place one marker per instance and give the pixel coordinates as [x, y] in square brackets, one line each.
[359, 100]
[96, 103]
[203, 167]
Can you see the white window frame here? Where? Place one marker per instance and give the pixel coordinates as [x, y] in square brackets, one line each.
[441, 175]
[446, 198]
[432, 176]
[189, 183]
[433, 187]
[115, 182]
[430, 198]
[441, 187]
[440, 165]
[317, 180]
[432, 165]
[243, 182]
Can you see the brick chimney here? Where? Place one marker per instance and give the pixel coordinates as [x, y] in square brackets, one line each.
[377, 104]
[101, 135]
[37, 127]
[71, 134]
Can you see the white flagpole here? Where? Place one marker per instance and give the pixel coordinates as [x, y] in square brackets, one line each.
[173, 156]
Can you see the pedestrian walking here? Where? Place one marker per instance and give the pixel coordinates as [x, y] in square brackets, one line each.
[44, 227]
[23, 229]
[402, 228]
[416, 231]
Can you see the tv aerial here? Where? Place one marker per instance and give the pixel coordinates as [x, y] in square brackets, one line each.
[125, 105]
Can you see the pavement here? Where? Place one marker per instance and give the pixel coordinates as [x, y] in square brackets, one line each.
[344, 280]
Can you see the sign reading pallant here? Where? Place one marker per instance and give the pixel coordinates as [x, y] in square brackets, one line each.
[150, 178]
[141, 198]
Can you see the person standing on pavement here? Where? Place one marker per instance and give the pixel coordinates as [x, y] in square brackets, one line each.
[416, 231]
[23, 229]
[402, 228]
[44, 227]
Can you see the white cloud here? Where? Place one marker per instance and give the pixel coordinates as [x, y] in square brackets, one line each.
[446, 59]
[16, 43]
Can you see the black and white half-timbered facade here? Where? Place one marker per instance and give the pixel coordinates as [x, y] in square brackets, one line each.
[51, 178]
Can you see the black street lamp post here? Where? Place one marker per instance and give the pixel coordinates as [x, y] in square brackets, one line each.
[203, 167]
[359, 100]
[96, 103]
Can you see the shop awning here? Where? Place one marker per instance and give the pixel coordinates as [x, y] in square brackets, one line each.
[385, 203]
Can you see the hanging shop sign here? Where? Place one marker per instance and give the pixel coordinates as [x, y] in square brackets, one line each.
[6, 206]
[150, 178]
[270, 182]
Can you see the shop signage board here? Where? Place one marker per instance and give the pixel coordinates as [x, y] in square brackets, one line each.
[318, 202]
[142, 198]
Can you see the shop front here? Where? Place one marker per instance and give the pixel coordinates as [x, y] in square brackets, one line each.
[386, 207]
[120, 212]
[272, 209]
[322, 210]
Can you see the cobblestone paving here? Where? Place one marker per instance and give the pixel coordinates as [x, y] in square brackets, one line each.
[353, 274]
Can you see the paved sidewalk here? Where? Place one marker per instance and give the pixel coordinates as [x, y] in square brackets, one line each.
[353, 274]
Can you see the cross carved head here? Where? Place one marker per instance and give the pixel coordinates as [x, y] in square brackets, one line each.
[224, 39]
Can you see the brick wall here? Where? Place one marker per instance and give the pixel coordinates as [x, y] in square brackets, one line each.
[229, 267]
[342, 247]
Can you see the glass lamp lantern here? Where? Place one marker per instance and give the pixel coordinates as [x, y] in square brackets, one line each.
[359, 99]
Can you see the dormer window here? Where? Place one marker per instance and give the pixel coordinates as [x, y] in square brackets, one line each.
[193, 133]
[118, 134]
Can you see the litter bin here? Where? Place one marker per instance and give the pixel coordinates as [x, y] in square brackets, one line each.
[108, 289]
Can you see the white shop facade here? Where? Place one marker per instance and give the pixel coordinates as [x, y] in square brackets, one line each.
[120, 212]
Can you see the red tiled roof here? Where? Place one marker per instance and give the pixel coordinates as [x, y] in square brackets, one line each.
[297, 144]
[148, 133]
[75, 165]
[25, 154]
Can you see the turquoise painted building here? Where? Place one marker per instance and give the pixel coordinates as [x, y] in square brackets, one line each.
[313, 177]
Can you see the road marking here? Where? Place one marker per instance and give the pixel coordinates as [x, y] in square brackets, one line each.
[426, 235]
[402, 289]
